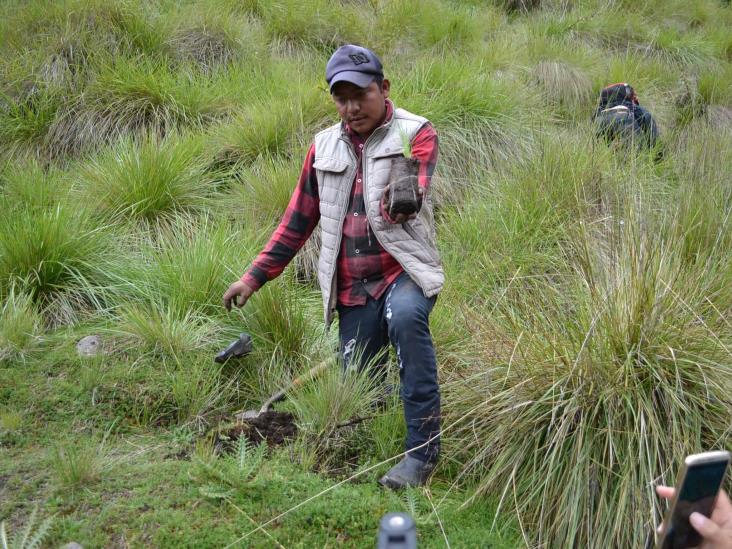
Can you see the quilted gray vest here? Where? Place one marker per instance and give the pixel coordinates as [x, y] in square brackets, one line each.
[412, 243]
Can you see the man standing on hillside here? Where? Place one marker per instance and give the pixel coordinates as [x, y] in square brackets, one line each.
[381, 275]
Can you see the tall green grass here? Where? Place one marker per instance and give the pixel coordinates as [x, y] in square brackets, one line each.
[26, 119]
[117, 28]
[186, 266]
[162, 330]
[602, 385]
[20, 326]
[262, 192]
[270, 125]
[56, 255]
[76, 465]
[132, 96]
[285, 323]
[212, 36]
[33, 185]
[147, 179]
[324, 406]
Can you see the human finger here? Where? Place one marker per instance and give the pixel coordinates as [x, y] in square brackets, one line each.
[666, 492]
[724, 504]
[709, 530]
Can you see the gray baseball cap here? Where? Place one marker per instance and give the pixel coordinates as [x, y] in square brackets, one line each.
[354, 64]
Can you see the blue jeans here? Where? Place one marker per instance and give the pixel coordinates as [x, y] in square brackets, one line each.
[400, 316]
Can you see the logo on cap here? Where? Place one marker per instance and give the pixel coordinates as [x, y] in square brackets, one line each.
[359, 58]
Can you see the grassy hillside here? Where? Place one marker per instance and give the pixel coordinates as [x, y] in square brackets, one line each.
[148, 150]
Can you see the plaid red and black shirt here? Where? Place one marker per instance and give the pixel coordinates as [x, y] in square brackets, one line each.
[363, 268]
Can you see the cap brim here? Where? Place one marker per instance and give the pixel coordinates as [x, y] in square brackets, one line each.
[360, 79]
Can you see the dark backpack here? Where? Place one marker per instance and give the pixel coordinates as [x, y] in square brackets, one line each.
[617, 123]
[620, 118]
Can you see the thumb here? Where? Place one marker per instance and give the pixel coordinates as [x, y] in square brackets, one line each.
[709, 530]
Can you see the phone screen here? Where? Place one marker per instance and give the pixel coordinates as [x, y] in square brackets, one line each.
[697, 494]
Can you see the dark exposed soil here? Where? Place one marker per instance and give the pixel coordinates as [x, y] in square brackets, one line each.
[403, 186]
[273, 427]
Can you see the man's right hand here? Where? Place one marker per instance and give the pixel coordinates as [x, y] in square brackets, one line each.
[239, 292]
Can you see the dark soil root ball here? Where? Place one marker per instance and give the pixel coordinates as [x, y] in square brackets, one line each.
[274, 428]
[403, 187]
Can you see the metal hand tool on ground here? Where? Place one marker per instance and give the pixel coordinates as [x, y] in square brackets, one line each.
[238, 349]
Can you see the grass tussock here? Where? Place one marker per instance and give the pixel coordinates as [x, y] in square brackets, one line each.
[121, 28]
[147, 179]
[199, 391]
[76, 465]
[262, 192]
[56, 255]
[520, 6]
[279, 318]
[564, 85]
[214, 38]
[131, 97]
[323, 409]
[208, 47]
[184, 266]
[635, 374]
[163, 330]
[26, 119]
[21, 326]
[269, 127]
[32, 185]
[434, 25]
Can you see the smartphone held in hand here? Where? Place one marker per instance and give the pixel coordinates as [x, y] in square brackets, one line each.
[697, 487]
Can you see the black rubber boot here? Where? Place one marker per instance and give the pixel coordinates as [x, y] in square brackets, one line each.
[408, 472]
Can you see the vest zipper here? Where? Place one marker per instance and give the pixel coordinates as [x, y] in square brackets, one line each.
[339, 237]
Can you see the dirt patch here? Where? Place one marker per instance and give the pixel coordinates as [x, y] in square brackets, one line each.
[273, 427]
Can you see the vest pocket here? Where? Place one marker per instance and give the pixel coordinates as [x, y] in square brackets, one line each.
[330, 165]
[416, 236]
[330, 173]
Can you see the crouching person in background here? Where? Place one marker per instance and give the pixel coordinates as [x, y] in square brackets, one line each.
[620, 118]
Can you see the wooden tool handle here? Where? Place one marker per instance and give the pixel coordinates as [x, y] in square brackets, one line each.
[297, 382]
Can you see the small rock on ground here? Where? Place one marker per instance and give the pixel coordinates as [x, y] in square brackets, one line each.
[89, 346]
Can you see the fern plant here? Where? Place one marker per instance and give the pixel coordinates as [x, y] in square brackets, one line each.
[221, 477]
[412, 501]
[28, 539]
